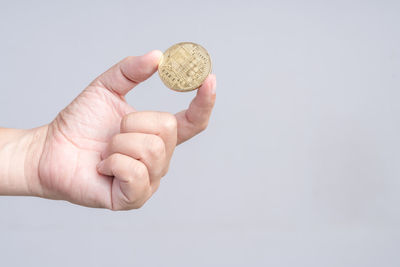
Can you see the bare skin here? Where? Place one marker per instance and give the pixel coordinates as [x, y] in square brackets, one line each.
[99, 151]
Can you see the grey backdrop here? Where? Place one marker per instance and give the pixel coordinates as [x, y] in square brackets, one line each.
[300, 163]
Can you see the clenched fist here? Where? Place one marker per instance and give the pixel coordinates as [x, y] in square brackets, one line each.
[138, 157]
[99, 151]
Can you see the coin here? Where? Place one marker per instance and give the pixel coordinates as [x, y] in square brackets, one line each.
[184, 66]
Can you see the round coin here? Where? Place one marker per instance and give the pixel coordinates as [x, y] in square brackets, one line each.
[184, 66]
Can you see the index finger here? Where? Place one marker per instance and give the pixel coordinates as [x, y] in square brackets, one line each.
[195, 119]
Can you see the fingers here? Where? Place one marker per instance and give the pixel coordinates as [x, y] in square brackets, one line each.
[195, 119]
[147, 148]
[141, 151]
[131, 184]
[162, 124]
[126, 74]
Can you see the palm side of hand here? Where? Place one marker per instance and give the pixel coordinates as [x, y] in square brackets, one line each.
[81, 132]
[74, 144]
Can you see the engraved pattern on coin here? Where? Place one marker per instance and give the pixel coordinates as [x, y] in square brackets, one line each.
[184, 66]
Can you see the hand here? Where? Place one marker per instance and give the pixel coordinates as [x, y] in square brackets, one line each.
[100, 152]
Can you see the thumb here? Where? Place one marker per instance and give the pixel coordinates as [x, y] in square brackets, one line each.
[129, 72]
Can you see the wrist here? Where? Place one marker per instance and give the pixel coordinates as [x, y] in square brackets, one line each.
[20, 152]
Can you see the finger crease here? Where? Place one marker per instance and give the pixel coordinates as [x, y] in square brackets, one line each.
[128, 78]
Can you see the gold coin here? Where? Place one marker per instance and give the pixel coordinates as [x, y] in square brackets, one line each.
[184, 66]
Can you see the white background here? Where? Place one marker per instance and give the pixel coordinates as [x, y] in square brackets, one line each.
[300, 163]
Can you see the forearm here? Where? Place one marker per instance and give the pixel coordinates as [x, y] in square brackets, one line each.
[20, 152]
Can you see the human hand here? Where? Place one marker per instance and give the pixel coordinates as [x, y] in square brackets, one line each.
[100, 152]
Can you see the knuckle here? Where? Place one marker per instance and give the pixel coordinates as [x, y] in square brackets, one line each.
[140, 171]
[170, 123]
[156, 146]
